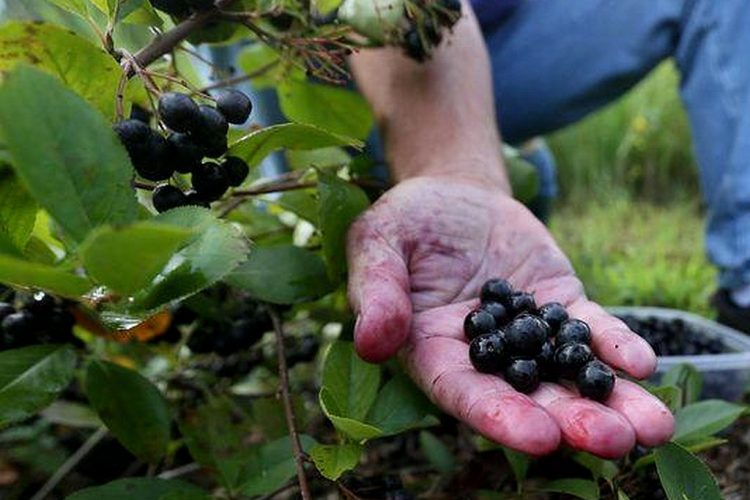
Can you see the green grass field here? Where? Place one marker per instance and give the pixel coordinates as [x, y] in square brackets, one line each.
[629, 216]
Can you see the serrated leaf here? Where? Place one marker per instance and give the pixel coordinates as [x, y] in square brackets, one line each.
[705, 418]
[81, 174]
[17, 210]
[400, 406]
[340, 203]
[282, 274]
[140, 251]
[131, 407]
[579, 488]
[142, 488]
[271, 465]
[335, 109]
[20, 272]
[214, 251]
[31, 378]
[351, 383]
[255, 146]
[334, 460]
[683, 476]
[437, 453]
[79, 64]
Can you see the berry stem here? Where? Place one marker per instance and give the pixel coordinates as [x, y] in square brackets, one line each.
[299, 454]
[242, 78]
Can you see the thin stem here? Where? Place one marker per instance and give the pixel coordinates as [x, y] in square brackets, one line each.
[299, 455]
[180, 471]
[70, 464]
[242, 78]
[277, 491]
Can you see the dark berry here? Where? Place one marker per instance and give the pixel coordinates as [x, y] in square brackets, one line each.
[6, 310]
[522, 375]
[595, 380]
[132, 133]
[575, 331]
[200, 4]
[304, 352]
[167, 197]
[488, 352]
[235, 106]
[140, 114]
[215, 146]
[521, 302]
[413, 45]
[236, 170]
[40, 304]
[210, 181]
[183, 315]
[498, 311]
[184, 154]
[194, 199]
[496, 290]
[478, 322]
[281, 21]
[61, 322]
[545, 360]
[178, 111]
[151, 163]
[569, 358]
[201, 340]
[526, 335]
[173, 7]
[210, 124]
[554, 314]
[19, 327]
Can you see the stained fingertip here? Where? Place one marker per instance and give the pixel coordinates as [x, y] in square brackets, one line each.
[627, 351]
[381, 329]
[654, 424]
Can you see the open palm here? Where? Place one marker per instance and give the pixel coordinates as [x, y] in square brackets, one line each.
[417, 260]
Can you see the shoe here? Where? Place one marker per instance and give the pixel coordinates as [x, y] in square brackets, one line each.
[729, 313]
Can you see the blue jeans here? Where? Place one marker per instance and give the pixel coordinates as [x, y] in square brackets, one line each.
[554, 61]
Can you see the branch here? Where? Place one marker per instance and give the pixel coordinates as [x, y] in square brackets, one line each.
[299, 457]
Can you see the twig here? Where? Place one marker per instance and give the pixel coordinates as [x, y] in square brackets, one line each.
[180, 471]
[70, 464]
[242, 78]
[299, 456]
[347, 492]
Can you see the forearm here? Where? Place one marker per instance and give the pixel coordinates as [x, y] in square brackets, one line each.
[437, 115]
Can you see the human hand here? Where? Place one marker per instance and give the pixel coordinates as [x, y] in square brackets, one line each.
[417, 260]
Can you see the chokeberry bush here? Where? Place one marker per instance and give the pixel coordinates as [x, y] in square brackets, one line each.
[172, 322]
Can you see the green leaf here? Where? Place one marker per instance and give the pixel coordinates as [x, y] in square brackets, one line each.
[142, 488]
[215, 250]
[579, 488]
[335, 109]
[77, 7]
[17, 210]
[696, 445]
[139, 251]
[131, 407]
[437, 453]
[31, 378]
[334, 460]
[255, 146]
[519, 464]
[524, 179]
[302, 203]
[71, 414]
[282, 274]
[340, 203]
[376, 19]
[687, 379]
[257, 58]
[24, 273]
[271, 465]
[80, 174]
[599, 468]
[400, 406]
[683, 476]
[77, 63]
[669, 395]
[354, 429]
[705, 418]
[351, 383]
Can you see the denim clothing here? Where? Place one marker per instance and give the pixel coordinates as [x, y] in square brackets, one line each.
[491, 13]
[554, 61]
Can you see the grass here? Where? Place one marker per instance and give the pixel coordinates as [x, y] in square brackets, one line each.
[629, 216]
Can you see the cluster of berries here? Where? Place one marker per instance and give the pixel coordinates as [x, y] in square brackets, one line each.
[510, 335]
[38, 319]
[182, 8]
[228, 335]
[673, 337]
[197, 132]
[418, 40]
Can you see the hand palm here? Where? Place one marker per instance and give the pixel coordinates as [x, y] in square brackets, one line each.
[418, 259]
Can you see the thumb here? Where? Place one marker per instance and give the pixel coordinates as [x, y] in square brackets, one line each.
[378, 289]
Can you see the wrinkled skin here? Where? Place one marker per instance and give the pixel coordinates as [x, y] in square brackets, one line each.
[417, 260]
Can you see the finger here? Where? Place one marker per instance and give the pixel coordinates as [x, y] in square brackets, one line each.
[440, 366]
[651, 419]
[586, 425]
[613, 341]
[378, 291]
